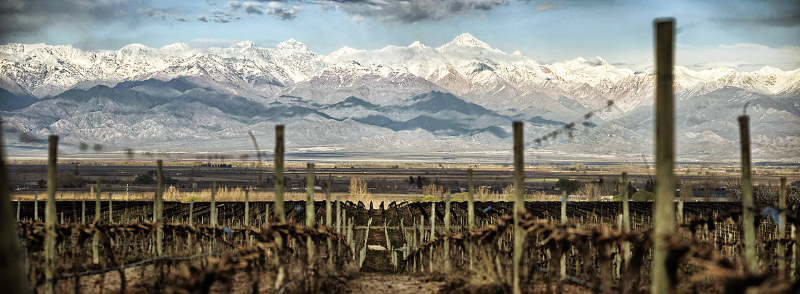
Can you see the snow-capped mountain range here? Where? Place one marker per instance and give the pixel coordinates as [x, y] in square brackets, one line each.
[461, 95]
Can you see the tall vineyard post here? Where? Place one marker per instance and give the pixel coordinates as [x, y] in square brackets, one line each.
[446, 232]
[310, 214]
[664, 214]
[519, 202]
[97, 219]
[160, 208]
[12, 271]
[50, 215]
[470, 213]
[751, 259]
[279, 209]
[626, 218]
[782, 228]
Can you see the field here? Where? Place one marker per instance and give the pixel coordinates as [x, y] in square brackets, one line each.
[241, 246]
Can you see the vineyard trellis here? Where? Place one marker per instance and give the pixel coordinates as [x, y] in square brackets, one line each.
[510, 247]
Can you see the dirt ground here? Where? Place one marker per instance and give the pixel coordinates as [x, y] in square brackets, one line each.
[392, 284]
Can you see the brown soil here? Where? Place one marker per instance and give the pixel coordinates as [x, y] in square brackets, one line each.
[389, 283]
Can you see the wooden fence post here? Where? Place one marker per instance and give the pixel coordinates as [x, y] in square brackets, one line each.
[310, 218]
[782, 228]
[83, 212]
[111, 208]
[36, 206]
[328, 211]
[447, 231]
[664, 218]
[470, 213]
[626, 217]
[338, 215]
[751, 260]
[563, 265]
[519, 202]
[247, 207]
[12, 269]
[191, 222]
[279, 173]
[97, 219]
[212, 218]
[159, 207]
[50, 215]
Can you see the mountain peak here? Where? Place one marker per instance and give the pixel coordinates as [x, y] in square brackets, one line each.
[244, 45]
[417, 45]
[291, 44]
[468, 40]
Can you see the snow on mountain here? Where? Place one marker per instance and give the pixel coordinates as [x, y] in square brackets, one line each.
[462, 93]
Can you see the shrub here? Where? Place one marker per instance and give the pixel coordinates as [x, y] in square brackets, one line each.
[643, 195]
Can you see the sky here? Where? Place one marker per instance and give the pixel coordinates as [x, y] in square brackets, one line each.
[746, 35]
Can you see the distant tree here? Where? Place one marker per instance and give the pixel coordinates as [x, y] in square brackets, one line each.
[144, 179]
[42, 183]
[567, 185]
[83, 146]
[97, 147]
[358, 189]
[420, 182]
[650, 186]
[411, 181]
[643, 195]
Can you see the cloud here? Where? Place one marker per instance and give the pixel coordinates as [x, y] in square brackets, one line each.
[773, 13]
[234, 5]
[161, 14]
[743, 56]
[276, 9]
[28, 17]
[202, 18]
[252, 8]
[409, 11]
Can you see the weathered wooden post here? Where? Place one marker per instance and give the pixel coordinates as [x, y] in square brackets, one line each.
[247, 207]
[111, 208]
[751, 260]
[664, 218]
[50, 216]
[626, 217]
[279, 173]
[470, 213]
[782, 227]
[519, 202]
[447, 231]
[338, 215]
[328, 211]
[159, 207]
[12, 269]
[310, 210]
[83, 212]
[563, 265]
[97, 218]
[213, 209]
[433, 220]
[36, 206]
[191, 222]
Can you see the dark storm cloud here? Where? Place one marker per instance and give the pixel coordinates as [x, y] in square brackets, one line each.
[252, 8]
[775, 13]
[409, 11]
[234, 5]
[27, 17]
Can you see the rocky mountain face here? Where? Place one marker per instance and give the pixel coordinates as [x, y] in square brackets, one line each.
[459, 97]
